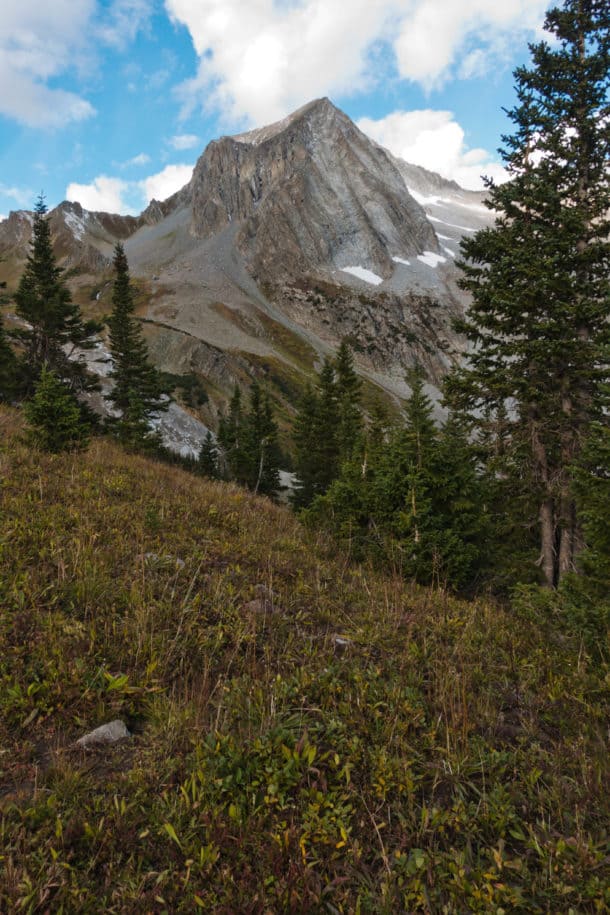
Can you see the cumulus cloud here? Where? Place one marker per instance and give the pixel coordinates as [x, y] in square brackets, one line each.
[435, 140]
[104, 193]
[431, 40]
[184, 141]
[38, 42]
[166, 182]
[260, 60]
[3, 216]
[116, 195]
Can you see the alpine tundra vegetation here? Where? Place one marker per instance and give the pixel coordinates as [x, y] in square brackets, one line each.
[342, 646]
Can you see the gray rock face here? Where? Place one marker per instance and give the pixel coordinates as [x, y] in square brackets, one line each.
[106, 733]
[310, 192]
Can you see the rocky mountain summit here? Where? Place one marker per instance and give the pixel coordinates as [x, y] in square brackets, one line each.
[286, 240]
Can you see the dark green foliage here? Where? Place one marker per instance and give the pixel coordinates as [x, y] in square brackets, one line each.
[539, 278]
[55, 417]
[138, 394]
[328, 427]
[230, 438]
[189, 387]
[44, 301]
[208, 460]
[586, 597]
[348, 387]
[249, 441]
[417, 500]
[9, 377]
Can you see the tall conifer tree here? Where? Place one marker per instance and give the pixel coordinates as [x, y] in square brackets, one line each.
[138, 394]
[8, 367]
[56, 326]
[349, 391]
[539, 277]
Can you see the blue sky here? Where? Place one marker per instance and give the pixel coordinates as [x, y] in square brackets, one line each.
[110, 102]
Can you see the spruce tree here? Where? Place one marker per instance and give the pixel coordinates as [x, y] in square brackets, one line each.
[316, 439]
[306, 461]
[349, 391]
[249, 442]
[539, 278]
[9, 382]
[231, 439]
[207, 462]
[138, 394]
[56, 326]
[261, 445]
[54, 416]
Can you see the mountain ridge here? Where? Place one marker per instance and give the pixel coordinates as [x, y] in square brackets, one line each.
[305, 228]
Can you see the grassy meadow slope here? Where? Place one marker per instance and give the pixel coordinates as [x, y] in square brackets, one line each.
[440, 756]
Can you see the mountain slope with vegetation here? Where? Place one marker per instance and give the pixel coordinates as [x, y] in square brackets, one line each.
[308, 735]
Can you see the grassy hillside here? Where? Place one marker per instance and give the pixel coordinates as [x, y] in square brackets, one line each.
[440, 757]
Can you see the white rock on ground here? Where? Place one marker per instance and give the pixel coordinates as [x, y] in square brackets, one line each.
[106, 733]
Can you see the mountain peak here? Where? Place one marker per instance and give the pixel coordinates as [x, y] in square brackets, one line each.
[321, 108]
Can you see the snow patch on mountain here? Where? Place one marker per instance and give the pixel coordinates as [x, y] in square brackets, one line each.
[362, 273]
[431, 259]
[401, 260]
[76, 224]
[451, 225]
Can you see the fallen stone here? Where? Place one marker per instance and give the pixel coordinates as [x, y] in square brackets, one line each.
[106, 733]
[341, 644]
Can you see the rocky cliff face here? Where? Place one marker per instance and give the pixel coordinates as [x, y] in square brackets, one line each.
[311, 192]
[286, 240]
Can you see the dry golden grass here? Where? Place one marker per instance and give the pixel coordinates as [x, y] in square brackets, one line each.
[446, 757]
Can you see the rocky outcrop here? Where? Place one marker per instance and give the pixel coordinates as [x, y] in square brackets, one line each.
[311, 192]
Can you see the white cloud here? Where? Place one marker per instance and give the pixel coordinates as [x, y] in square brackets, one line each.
[435, 140]
[260, 60]
[116, 195]
[432, 38]
[183, 141]
[104, 193]
[22, 196]
[3, 216]
[166, 182]
[123, 20]
[140, 159]
[39, 42]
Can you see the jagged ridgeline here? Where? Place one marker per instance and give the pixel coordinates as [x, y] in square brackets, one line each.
[286, 241]
[295, 733]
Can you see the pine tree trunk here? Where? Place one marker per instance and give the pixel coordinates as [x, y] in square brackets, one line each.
[567, 542]
[547, 508]
[547, 543]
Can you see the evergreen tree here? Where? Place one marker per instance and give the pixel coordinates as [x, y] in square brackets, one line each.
[54, 416]
[261, 445]
[306, 462]
[539, 277]
[417, 501]
[207, 462]
[231, 439]
[348, 388]
[57, 328]
[9, 383]
[249, 442]
[137, 395]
